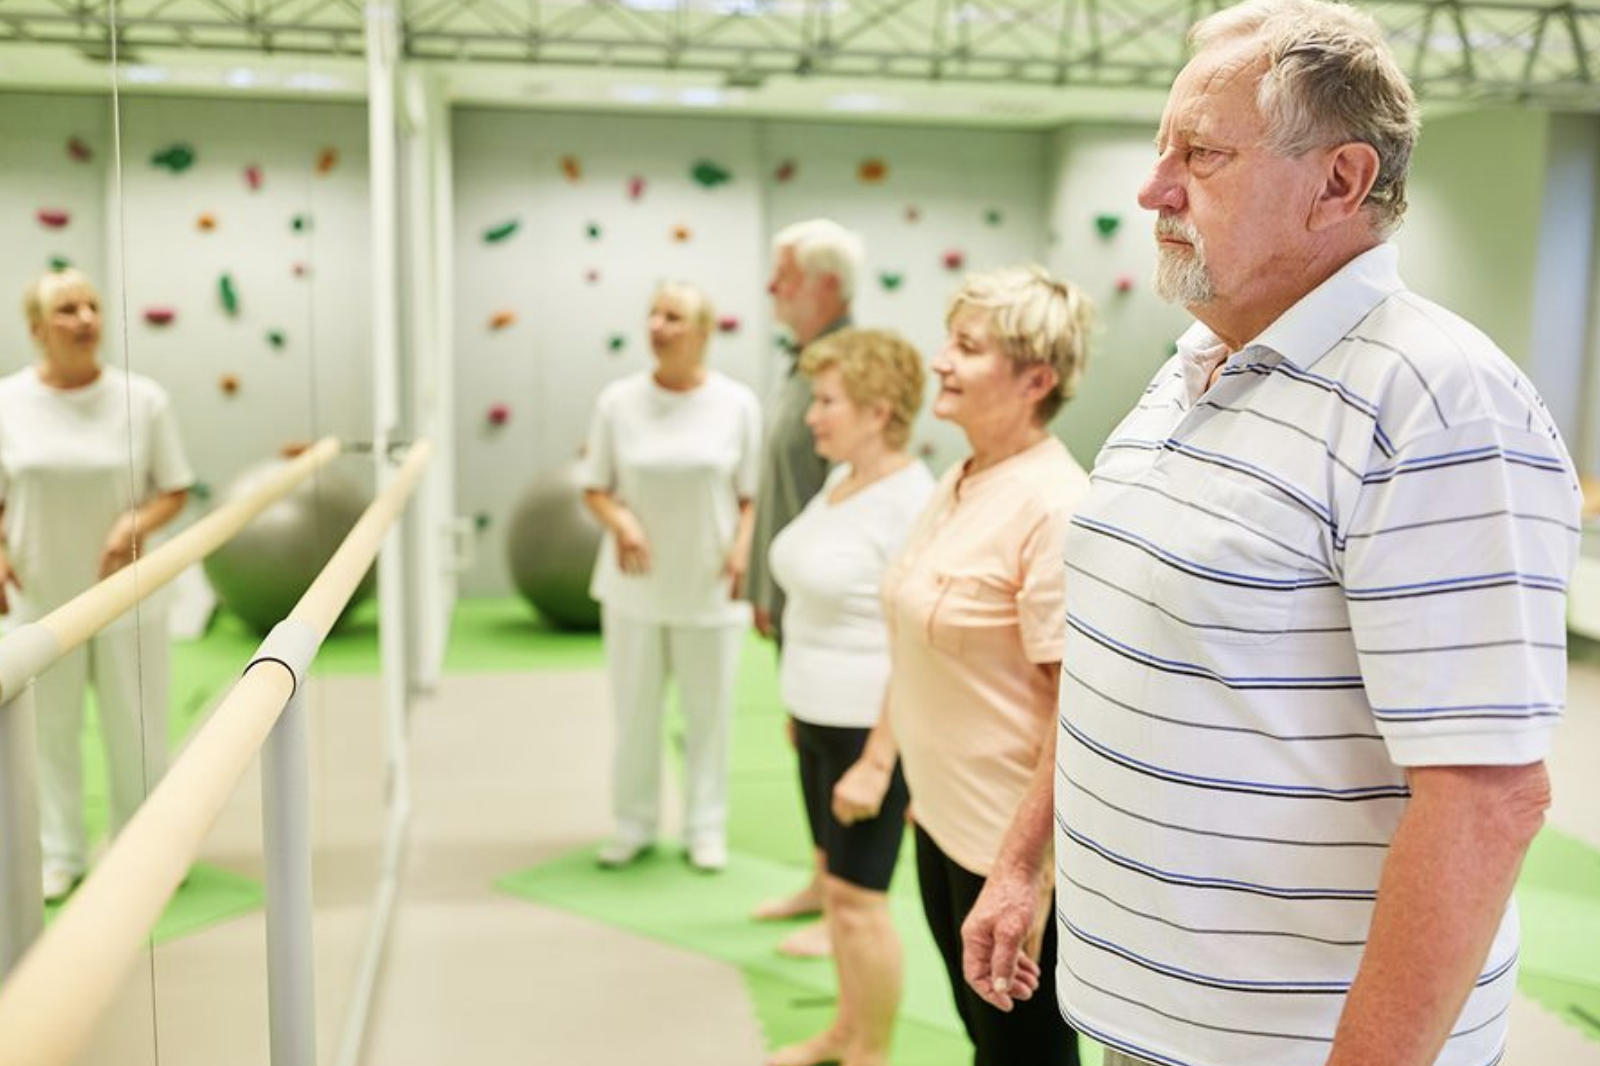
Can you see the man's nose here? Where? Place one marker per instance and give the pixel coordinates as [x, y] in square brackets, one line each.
[1162, 191]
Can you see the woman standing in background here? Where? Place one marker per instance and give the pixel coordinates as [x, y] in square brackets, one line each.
[670, 473]
[866, 388]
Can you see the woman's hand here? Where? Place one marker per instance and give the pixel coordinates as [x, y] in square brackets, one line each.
[122, 546]
[734, 568]
[8, 576]
[633, 548]
[859, 794]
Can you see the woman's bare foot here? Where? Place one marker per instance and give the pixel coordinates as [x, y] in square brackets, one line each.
[802, 904]
[826, 1046]
[810, 941]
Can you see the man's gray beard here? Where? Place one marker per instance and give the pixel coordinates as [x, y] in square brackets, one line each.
[1183, 279]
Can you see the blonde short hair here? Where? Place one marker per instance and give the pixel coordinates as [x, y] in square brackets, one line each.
[702, 313]
[1330, 79]
[822, 246]
[40, 296]
[1038, 319]
[876, 366]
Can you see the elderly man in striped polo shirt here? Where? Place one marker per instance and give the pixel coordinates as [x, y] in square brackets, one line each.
[1316, 640]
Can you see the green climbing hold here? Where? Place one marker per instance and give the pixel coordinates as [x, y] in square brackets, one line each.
[890, 281]
[481, 521]
[496, 234]
[176, 158]
[709, 174]
[200, 491]
[993, 216]
[58, 263]
[593, 230]
[300, 223]
[617, 342]
[1107, 224]
[276, 338]
[228, 293]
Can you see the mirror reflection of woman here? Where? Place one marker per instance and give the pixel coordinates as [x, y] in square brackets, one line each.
[670, 472]
[90, 466]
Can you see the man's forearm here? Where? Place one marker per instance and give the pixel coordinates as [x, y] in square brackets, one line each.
[1449, 873]
[1026, 841]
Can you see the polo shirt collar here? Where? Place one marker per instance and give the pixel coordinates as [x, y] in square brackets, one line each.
[1313, 326]
[1323, 317]
[792, 350]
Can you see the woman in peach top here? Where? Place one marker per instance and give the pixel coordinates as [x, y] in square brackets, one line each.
[976, 612]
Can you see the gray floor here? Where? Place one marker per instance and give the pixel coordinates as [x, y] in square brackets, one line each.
[507, 772]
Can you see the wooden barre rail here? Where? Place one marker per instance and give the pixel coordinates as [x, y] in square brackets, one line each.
[64, 984]
[29, 651]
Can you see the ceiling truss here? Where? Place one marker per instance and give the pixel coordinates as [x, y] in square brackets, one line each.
[1463, 50]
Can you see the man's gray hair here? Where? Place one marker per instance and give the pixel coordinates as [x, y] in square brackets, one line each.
[822, 246]
[1330, 79]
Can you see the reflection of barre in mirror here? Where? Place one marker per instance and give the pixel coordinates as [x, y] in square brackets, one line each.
[28, 650]
[52, 999]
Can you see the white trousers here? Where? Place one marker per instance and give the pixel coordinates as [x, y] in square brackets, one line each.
[641, 657]
[131, 681]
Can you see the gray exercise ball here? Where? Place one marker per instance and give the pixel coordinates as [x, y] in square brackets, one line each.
[261, 574]
[551, 546]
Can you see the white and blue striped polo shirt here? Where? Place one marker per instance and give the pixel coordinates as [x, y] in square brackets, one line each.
[1349, 556]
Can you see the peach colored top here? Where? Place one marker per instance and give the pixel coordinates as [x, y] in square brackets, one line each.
[974, 602]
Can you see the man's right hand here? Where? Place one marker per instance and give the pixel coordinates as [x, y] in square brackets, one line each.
[764, 624]
[994, 958]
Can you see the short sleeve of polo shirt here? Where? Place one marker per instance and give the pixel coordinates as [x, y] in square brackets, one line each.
[1456, 563]
[169, 466]
[599, 469]
[1041, 593]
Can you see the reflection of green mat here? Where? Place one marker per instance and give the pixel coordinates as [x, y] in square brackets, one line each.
[1558, 895]
[208, 896]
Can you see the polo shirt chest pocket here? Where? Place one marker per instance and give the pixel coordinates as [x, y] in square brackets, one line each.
[968, 612]
[1240, 563]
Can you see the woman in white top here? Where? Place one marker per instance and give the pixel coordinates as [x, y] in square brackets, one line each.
[866, 388]
[90, 466]
[670, 472]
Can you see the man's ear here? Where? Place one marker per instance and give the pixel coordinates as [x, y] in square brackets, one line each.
[1348, 173]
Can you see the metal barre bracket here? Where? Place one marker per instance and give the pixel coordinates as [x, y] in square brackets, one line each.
[291, 644]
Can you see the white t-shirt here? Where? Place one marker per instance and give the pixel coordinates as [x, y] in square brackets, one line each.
[67, 474]
[681, 462]
[829, 562]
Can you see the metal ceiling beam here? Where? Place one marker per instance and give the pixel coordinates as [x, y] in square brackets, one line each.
[1471, 50]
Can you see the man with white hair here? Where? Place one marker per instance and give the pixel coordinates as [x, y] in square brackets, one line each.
[815, 265]
[1315, 610]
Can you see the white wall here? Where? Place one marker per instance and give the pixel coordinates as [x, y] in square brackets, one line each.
[1471, 237]
[1097, 171]
[144, 230]
[38, 173]
[553, 361]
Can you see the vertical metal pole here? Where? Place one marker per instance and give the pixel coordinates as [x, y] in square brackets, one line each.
[21, 895]
[286, 825]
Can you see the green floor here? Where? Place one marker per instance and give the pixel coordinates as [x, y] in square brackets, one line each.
[1559, 890]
